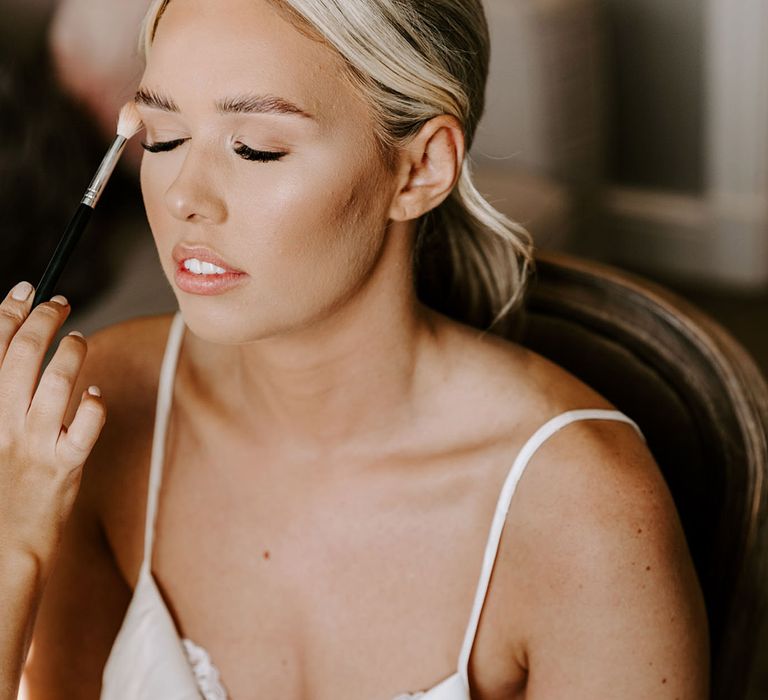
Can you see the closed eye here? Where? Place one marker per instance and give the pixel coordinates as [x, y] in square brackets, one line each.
[162, 146]
[242, 150]
[262, 156]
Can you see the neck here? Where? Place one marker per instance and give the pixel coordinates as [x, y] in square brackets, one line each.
[347, 381]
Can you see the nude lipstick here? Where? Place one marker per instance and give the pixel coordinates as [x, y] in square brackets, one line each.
[201, 271]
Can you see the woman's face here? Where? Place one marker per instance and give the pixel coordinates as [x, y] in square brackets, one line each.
[296, 202]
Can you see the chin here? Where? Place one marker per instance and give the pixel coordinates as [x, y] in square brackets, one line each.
[235, 323]
[224, 324]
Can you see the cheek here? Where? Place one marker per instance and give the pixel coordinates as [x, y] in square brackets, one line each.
[330, 221]
[315, 234]
[318, 209]
[152, 190]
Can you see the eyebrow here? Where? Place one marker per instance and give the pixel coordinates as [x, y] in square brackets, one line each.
[240, 104]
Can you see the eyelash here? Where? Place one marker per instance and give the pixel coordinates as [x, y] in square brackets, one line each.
[242, 150]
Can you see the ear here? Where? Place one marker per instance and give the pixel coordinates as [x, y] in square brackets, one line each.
[429, 168]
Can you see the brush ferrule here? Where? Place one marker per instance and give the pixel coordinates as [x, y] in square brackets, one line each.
[107, 167]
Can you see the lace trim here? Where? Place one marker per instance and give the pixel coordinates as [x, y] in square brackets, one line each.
[206, 674]
[209, 680]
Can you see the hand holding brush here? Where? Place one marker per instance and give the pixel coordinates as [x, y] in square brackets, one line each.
[128, 125]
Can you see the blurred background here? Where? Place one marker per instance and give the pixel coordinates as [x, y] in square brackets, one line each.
[633, 132]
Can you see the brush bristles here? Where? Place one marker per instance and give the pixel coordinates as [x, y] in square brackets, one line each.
[129, 123]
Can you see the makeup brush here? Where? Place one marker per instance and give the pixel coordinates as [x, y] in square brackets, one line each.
[128, 125]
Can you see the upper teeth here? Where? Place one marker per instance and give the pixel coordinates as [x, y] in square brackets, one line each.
[198, 267]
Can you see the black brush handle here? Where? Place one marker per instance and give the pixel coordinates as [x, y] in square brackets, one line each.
[50, 279]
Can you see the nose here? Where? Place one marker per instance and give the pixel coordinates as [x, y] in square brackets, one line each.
[193, 196]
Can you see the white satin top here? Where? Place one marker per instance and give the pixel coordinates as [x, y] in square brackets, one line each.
[149, 660]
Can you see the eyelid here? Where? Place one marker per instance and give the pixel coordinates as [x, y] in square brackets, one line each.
[162, 146]
[248, 153]
[245, 152]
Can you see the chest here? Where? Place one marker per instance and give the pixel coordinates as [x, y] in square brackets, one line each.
[319, 586]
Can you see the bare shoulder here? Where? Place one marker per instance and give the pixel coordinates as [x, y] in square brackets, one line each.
[516, 381]
[593, 473]
[597, 475]
[592, 477]
[620, 606]
[594, 579]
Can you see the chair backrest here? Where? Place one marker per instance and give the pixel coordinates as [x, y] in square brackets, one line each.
[702, 405]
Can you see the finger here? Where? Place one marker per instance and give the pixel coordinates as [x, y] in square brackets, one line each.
[24, 357]
[14, 310]
[54, 392]
[76, 442]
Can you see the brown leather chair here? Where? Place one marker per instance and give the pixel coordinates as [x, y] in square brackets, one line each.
[702, 405]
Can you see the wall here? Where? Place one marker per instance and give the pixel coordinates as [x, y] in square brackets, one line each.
[688, 194]
[656, 84]
[20, 23]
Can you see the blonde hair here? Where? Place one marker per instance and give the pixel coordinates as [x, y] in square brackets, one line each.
[413, 60]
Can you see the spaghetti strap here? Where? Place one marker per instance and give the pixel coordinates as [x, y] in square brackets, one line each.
[502, 508]
[162, 410]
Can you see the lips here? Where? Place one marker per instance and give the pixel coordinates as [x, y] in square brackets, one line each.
[183, 252]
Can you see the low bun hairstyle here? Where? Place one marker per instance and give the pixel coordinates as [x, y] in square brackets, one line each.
[413, 60]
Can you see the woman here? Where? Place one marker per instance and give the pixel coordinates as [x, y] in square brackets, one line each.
[292, 493]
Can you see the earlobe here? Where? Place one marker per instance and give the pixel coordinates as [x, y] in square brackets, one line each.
[430, 168]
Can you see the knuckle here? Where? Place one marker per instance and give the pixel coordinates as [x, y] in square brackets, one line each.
[80, 447]
[57, 379]
[10, 315]
[49, 310]
[77, 447]
[27, 345]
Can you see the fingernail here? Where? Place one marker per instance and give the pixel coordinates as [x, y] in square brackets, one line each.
[58, 299]
[94, 391]
[77, 333]
[22, 291]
